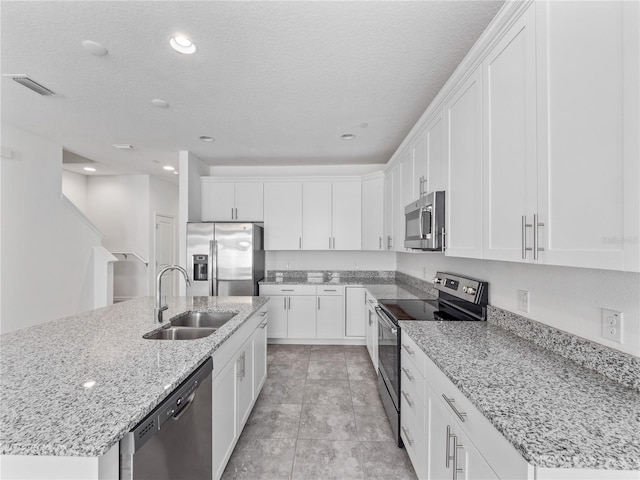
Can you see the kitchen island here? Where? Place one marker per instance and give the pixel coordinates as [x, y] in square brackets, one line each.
[72, 388]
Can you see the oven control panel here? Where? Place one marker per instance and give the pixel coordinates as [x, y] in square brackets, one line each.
[468, 289]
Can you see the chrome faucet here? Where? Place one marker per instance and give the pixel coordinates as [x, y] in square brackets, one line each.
[159, 307]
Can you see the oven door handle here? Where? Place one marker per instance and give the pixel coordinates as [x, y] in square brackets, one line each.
[386, 321]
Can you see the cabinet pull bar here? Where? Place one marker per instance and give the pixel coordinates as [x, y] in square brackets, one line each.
[329, 290]
[408, 374]
[408, 349]
[263, 325]
[236, 213]
[379, 243]
[289, 307]
[536, 238]
[231, 213]
[262, 314]
[287, 289]
[407, 398]
[318, 303]
[456, 446]
[461, 415]
[300, 243]
[406, 434]
[285, 302]
[334, 243]
[524, 237]
[447, 450]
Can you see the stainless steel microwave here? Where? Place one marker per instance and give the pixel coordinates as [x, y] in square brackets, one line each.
[424, 223]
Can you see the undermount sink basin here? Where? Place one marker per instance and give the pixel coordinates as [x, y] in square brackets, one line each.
[179, 333]
[202, 319]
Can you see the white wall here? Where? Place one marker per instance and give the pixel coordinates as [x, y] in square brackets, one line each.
[119, 206]
[46, 254]
[74, 186]
[566, 298]
[163, 200]
[335, 260]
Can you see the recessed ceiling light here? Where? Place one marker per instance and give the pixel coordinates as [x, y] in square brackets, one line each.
[182, 44]
[94, 48]
[160, 103]
[169, 167]
[204, 138]
[89, 384]
[348, 136]
[89, 169]
[123, 146]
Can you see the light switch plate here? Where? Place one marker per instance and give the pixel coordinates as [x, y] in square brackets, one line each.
[523, 301]
[612, 325]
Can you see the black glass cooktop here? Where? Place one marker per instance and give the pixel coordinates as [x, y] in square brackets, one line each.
[429, 310]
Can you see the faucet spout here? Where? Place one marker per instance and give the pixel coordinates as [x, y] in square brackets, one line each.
[159, 308]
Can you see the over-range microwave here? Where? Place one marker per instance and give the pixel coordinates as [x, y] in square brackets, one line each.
[424, 223]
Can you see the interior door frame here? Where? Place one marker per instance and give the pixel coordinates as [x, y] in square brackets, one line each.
[154, 260]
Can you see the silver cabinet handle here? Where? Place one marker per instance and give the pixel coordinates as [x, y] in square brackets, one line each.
[289, 303]
[380, 243]
[536, 239]
[236, 213]
[370, 322]
[406, 434]
[231, 213]
[450, 401]
[448, 456]
[456, 446]
[525, 225]
[407, 398]
[300, 243]
[263, 325]
[389, 242]
[408, 349]
[318, 303]
[262, 314]
[287, 289]
[408, 374]
[285, 302]
[329, 290]
[334, 243]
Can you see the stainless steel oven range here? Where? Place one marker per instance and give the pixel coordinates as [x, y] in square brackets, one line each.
[459, 299]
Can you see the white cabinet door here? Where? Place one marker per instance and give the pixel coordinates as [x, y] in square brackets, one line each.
[244, 382]
[420, 166]
[260, 356]
[372, 213]
[316, 216]
[389, 213]
[355, 310]
[346, 215]
[249, 201]
[436, 164]
[510, 180]
[407, 188]
[301, 316]
[224, 415]
[398, 210]
[330, 319]
[277, 325]
[588, 132]
[464, 169]
[283, 215]
[372, 331]
[217, 201]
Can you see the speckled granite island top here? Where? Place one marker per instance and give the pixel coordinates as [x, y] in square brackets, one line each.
[49, 403]
[556, 413]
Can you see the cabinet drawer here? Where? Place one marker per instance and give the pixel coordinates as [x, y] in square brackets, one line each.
[413, 352]
[412, 431]
[287, 289]
[330, 290]
[498, 452]
[410, 374]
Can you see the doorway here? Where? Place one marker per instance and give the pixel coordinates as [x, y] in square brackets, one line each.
[164, 251]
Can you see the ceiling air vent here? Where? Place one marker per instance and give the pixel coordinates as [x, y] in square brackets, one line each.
[31, 85]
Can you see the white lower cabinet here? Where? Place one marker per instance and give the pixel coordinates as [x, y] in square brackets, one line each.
[371, 325]
[355, 311]
[301, 316]
[239, 371]
[330, 315]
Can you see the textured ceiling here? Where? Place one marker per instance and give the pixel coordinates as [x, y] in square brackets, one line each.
[275, 83]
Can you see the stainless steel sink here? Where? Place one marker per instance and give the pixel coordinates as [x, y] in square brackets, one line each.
[179, 333]
[202, 319]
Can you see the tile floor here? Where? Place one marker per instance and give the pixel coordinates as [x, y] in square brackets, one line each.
[318, 416]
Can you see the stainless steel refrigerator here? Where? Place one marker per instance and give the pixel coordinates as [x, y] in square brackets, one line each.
[224, 258]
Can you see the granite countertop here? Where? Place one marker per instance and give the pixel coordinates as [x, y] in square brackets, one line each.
[45, 407]
[556, 413]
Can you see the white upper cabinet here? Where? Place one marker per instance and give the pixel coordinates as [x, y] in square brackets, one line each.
[409, 189]
[420, 166]
[347, 215]
[587, 56]
[510, 180]
[389, 211]
[332, 215]
[372, 213]
[232, 201]
[464, 169]
[435, 152]
[316, 216]
[398, 208]
[283, 216]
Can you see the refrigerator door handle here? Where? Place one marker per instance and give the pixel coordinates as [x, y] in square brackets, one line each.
[213, 268]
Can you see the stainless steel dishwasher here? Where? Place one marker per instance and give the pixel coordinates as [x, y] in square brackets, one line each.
[174, 440]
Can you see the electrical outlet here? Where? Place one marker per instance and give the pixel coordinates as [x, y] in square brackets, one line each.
[523, 301]
[612, 325]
